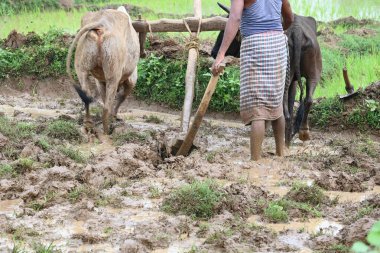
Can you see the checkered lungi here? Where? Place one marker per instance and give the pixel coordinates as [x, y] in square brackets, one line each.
[263, 69]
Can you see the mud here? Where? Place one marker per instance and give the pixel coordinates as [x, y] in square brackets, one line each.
[111, 201]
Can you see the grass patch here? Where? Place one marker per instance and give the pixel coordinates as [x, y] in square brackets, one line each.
[23, 165]
[66, 130]
[276, 213]
[301, 192]
[154, 192]
[41, 248]
[129, 136]
[327, 111]
[364, 211]
[7, 170]
[278, 210]
[79, 192]
[20, 233]
[368, 147]
[303, 207]
[40, 204]
[16, 130]
[365, 115]
[43, 143]
[74, 154]
[153, 119]
[75, 194]
[198, 199]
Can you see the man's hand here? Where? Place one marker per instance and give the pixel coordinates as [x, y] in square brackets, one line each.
[217, 66]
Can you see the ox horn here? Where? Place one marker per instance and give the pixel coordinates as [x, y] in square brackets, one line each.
[225, 8]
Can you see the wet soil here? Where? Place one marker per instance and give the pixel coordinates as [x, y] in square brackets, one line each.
[111, 201]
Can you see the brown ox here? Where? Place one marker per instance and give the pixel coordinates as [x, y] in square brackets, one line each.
[108, 48]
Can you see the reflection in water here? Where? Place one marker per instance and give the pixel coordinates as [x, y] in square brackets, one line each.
[327, 10]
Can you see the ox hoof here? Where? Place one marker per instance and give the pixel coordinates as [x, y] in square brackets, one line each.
[304, 135]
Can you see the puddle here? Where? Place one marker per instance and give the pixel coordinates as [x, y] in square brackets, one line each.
[78, 227]
[10, 207]
[96, 148]
[35, 112]
[296, 240]
[97, 248]
[311, 226]
[182, 246]
[352, 196]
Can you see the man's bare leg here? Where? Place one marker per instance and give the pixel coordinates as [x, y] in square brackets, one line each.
[278, 126]
[257, 137]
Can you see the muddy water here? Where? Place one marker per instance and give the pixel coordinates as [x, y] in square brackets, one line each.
[297, 234]
[352, 196]
[10, 207]
[35, 112]
[311, 226]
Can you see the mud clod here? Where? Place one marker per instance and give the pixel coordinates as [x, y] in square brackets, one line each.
[341, 181]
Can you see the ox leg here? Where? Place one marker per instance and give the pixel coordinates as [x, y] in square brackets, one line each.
[120, 98]
[304, 133]
[102, 90]
[84, 81]
[127, 89]
[289, 121]
[112, 86]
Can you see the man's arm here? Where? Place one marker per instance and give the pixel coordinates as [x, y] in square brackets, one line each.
[287, 14]
[232, 27]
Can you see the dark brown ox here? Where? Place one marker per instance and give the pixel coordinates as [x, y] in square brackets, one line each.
[305, 61]
[107, 48]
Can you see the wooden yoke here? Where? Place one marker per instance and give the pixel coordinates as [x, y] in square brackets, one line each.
[177, 25]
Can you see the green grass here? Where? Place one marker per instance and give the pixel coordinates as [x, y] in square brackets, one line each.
[301, 192]
[41, 21]
[38, 205]
[7, 170]
[198, 199]
[365, 115]
[129, 136]
[276, 213]
[153, 119]
[66, 130]
[74, 154]
[363, 70]
[278, 210]
[41, 248]
[327, 111]
[16, 130]
[75, 194]
[43, 143]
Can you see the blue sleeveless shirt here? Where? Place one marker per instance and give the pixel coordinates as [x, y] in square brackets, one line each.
[261, 16]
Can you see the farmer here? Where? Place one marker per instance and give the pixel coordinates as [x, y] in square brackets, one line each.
[263, 66]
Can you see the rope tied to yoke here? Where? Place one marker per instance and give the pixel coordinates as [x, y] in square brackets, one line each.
[194, 38]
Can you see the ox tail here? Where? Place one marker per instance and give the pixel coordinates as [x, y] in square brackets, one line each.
[297, 50]
[86, 98]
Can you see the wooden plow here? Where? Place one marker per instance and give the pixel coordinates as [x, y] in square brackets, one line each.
[193, 25]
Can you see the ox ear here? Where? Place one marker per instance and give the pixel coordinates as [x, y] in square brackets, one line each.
[225, 8]
[122, 9]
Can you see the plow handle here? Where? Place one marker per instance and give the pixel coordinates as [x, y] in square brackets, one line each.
[188, 142]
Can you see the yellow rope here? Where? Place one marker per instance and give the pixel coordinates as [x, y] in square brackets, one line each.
[194, 39]
[150, 30]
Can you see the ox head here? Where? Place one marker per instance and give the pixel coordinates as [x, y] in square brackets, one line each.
[234, 49]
